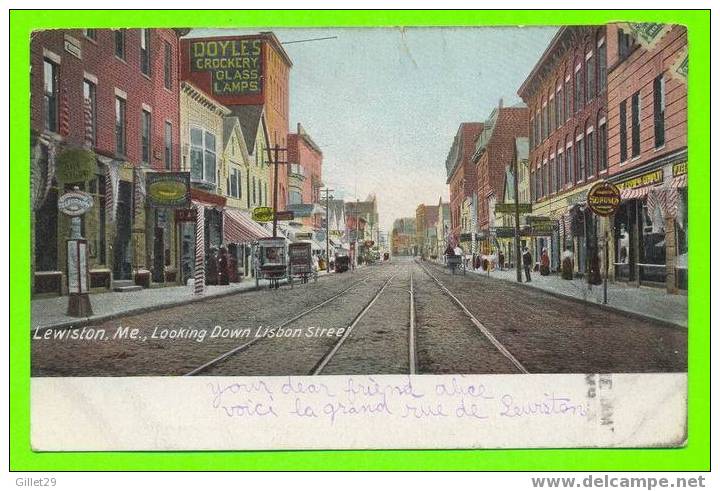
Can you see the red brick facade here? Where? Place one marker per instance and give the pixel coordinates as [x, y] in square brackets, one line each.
[113, 77]
[564, 114]
[508, 124]
[303, 151]
[461, 171]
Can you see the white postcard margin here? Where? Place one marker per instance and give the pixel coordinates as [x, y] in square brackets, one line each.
[358, 412]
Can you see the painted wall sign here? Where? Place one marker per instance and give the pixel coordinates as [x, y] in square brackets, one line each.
[75, 203]
[603, 198]
[235, 65]
[262, 214]
[510, 207]
[285, 215]
[654, 177]
[679, 169]
[168, 189]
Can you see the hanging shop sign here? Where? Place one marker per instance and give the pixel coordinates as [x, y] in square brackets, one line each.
[303, 236]
[679, 169]
[185, 215]
[603, 198]
[262, 214]
[543, 229]
[285, 215]
[76, 165]
[510, 207]
[75, 203]
[504, 232]
[168, 189]
[653, 177]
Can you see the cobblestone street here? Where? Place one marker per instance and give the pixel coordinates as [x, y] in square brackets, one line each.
[359, 323]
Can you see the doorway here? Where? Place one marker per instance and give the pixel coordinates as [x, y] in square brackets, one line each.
[122, 250]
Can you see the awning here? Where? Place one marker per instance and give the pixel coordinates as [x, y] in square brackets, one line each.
[680, 181]
[634, 193]
[239, 227]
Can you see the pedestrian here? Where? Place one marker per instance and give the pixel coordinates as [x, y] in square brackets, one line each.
[567, 264]
[544, 262]
[527, 262]
[223, 265]
[501, 260]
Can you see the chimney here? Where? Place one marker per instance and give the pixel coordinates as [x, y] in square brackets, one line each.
[500, 103]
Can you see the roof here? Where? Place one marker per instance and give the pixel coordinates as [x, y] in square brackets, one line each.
[455, 155]
[249, 116]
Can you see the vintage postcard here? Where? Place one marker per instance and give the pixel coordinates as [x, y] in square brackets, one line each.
[355, 238]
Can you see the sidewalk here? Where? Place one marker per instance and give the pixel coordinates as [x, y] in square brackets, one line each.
[50, 312]
[648, 302]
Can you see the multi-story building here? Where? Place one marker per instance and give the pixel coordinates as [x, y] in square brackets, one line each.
[426, 217]
[248, 74]
[442, 227]
[104, 111]
[647, 153]
[566, 93]
[402, 240]
[505, 230]
[461, 173]
[493, 150]
[305, 178]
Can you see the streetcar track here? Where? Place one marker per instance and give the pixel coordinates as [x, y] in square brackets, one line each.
[412, 357]
[484, 330]
[318, 368]
[215, 361]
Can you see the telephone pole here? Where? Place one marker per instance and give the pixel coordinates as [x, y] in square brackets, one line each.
[275, 161]
[327, 192]
[517, 218]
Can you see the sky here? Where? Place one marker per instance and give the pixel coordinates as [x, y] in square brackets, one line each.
[384, 104]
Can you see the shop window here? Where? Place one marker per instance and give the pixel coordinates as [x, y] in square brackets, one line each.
[652, 245]
[46, 222]
[659, 110]
[681, 238]
[50, 96]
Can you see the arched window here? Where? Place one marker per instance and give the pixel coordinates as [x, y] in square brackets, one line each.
[569, 161]
[601, 60]
[591, 160]
[579, 155]
[558, 103]
[558, 166]
[578, 99]
[589, 72]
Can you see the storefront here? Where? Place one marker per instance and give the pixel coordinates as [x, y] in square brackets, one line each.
[650, 228]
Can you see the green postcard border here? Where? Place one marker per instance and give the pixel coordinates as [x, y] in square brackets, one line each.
[694, 456]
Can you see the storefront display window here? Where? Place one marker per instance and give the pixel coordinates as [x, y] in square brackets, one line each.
[624, 247]
[681, 236]
[652, 245]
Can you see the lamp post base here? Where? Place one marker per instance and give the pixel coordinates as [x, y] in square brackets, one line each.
[79, 305]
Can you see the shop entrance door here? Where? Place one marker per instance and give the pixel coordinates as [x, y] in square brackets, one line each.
[187, 251]
[122, 250]
[158, 274]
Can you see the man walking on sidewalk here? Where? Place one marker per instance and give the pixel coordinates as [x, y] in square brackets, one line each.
[527, 262]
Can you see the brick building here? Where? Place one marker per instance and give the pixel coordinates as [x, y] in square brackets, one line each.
[246, 74]
[426, 217]
[461, 173]
[647, 152]
[305, 174]
[494, 148]
[104, 110]
[566, 93]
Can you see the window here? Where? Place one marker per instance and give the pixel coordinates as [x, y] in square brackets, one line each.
[602, 145]
[559, 168]
[544, 178]
[90, 98]
[145, 51]
[559, 108]
[566, 94]
[551, 116]
[254, 192]
[590, 77]
[537, 128]
[580, 159]
[551, 177]
[50, 96]
[544, 121]
[202, 156]
[120, 125]
[120, 43]
[625, 43]
[590, 154]
[635, 135]
[659, 110]
[235, 186]
[533, 192]
[602, 65]
[578, 99]
[91, 34]
[569, 166]
[623, 131]
[168, 145]
[145, 125]
[168, 65]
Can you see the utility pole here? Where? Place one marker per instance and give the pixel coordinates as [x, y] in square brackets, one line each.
[327, 192]
[517, 218]
[276, 162]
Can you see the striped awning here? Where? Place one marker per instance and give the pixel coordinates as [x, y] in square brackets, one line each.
[239, 227]
[634, 193]
[680, 181]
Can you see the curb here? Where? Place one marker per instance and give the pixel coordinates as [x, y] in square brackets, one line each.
[629, 313]
[84, 321]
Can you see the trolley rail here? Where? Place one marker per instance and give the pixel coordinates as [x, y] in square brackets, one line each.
[412, 357]
[329, 355]
[302, 314]
[484, 330]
